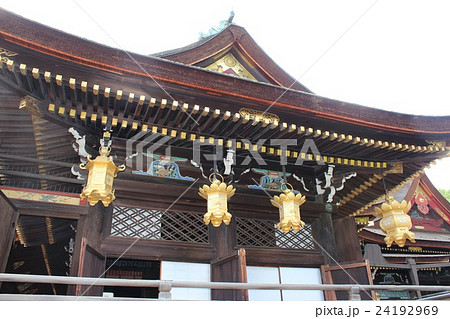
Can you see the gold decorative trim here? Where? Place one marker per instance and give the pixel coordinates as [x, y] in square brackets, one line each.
[31, 105]
[45, 255]
[47, 265]
[437, 143]
[420, 191]
[268, 150]
[20, 232]
[442, 214]
[48, 224]
[5, 54]
[355, 192]
[228, 64]
[398, 249]
[231, 143]
[259, 116]
[362, 220]
[381, 197]
[396, 168]
[41, 197]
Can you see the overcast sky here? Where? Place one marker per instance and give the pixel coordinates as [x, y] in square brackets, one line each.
[387, 54]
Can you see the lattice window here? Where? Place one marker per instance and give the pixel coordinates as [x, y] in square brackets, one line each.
[303, 239]
[263, 233]
[136, 222]
[255, 232]
[184, 227]
[157, 224]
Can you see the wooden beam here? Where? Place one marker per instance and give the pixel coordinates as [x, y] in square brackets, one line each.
[282, 257]
[42, 177]
[46, 209]
[35, 160]
[155, 249]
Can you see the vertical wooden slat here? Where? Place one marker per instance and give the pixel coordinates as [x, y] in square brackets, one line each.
[90, 264]
[8, 221]
[87, 260]
[230, 268]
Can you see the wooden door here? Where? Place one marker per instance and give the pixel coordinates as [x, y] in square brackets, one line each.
[8, 220]
[347, 273]
[231, 268]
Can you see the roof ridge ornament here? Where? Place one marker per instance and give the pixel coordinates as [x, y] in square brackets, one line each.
[214, 30]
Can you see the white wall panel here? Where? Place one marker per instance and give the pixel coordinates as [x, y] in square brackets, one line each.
[291, 275]
[187, 272]
[263, 275]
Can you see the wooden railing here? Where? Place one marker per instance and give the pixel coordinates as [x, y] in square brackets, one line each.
[165, 286]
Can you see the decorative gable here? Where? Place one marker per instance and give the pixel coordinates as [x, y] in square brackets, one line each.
[228, 64]
[424, 203]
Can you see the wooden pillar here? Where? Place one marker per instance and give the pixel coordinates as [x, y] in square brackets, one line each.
[223, 238]
[325, 237]
[413, 274]
[229, 264]
[8, 220]
[88, 259]
[347, 241]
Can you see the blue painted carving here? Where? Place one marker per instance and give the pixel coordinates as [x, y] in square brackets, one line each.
[271, 180]
[166, 167]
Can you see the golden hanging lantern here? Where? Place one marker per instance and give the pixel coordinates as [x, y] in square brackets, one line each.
[102, 171]
[289, 206]
[217, 195]
[395, 221]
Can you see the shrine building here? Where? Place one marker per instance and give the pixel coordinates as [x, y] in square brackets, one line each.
[206, 163]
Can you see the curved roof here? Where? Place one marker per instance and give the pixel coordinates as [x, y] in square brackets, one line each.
[169, 69]
[238, 38]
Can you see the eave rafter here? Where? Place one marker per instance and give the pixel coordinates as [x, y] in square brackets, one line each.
[354, 195]
[78, 103]
[71, 102]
